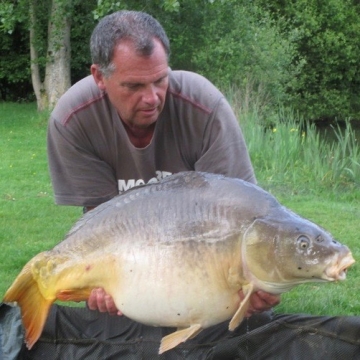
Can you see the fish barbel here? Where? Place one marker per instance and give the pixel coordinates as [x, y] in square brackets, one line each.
[177, 253]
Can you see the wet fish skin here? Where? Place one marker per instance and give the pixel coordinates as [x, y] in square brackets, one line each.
[177, 253]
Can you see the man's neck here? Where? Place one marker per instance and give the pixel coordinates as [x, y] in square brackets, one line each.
[140, 137]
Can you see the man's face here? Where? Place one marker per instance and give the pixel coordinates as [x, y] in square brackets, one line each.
[137, 87]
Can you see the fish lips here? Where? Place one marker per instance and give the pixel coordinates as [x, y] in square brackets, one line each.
[337, 271]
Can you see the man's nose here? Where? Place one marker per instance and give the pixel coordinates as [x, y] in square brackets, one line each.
[150, 94]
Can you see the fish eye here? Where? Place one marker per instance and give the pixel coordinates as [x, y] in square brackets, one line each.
[303, 242]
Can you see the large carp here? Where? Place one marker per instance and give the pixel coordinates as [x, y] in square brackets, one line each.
[176, 254]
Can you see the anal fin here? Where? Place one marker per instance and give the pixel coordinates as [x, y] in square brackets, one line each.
[170, 341]
[244, 305]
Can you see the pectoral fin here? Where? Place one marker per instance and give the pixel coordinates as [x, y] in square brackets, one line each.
[244, 305]
[74, 295]
[170, 341]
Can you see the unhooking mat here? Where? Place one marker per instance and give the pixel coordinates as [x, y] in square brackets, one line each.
[78, 333]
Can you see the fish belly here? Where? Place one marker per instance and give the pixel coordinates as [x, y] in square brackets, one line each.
[167, 290]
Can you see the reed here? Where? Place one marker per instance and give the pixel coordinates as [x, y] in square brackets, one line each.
[286, 151]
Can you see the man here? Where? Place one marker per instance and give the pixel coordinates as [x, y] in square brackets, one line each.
[135, 121]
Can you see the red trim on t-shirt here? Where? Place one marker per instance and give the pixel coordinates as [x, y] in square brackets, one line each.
[80, 107]
[191, 101]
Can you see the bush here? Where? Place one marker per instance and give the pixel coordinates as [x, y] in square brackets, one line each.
[242, 47]
[14, 66]
[325, 82]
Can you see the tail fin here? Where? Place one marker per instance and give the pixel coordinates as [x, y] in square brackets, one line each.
[34, 307]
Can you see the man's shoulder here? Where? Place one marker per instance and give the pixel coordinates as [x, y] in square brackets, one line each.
[83, 97]
[194, 90]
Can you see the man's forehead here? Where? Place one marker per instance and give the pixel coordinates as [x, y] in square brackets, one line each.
[144, 77]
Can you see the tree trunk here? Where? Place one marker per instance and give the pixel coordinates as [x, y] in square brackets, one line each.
[57, 71]
[37, 84]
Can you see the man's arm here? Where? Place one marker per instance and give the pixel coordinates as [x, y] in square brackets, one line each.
[224, 149]
[79, 177]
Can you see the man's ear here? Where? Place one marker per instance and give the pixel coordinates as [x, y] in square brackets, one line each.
[98, 76]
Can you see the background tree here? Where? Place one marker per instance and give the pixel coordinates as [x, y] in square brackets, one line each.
[56, 81]
[50, 51]
[326, 71]
[298, 54]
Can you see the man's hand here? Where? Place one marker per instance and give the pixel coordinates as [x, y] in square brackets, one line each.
[103, 302]
[260, 301]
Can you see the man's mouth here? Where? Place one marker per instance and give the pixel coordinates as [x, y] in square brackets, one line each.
[151, 111]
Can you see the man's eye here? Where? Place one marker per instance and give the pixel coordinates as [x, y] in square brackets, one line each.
[133, 87]
[158, 82]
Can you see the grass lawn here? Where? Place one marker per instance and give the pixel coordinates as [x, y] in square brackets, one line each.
[341, 218]
[30, 222]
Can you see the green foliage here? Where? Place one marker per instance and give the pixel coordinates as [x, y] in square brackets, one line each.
[243, 48]
[171, 5]
[83, 25]
[290, 153]
[12, 13]
[105, 7]
[325, 66]
[14, 53]
[7, 17]
[301, 54]
[14, 65]
[15, 73]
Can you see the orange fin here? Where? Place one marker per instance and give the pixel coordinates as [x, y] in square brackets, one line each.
[74, 295]
[34, 307]
[170, 341]
[244, 305]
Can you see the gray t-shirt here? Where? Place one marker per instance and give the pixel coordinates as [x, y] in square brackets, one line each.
[91, 158]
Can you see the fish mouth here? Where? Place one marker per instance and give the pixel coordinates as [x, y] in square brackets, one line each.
[339, 268]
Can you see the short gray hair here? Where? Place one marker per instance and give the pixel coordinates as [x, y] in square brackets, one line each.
[139, 27]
